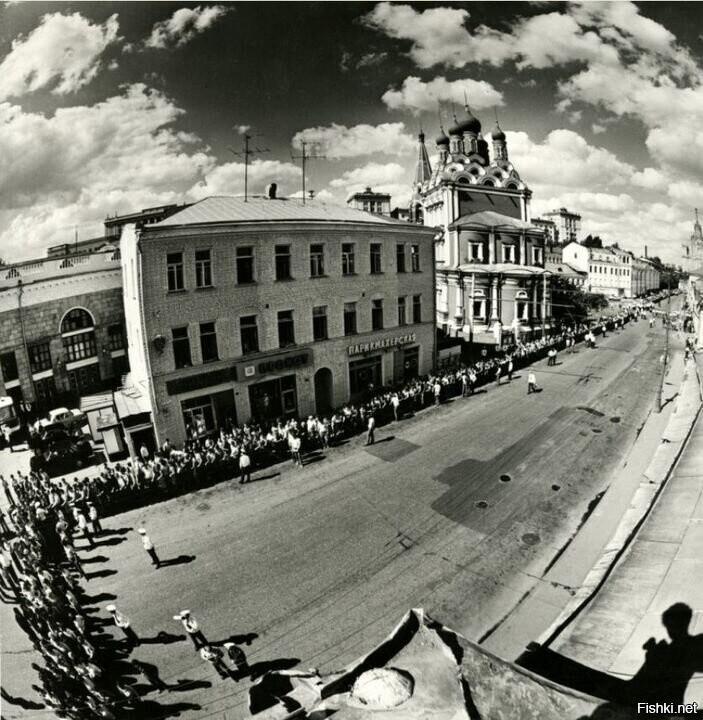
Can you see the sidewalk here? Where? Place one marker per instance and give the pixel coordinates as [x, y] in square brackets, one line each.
[663, 566]
[562, 583]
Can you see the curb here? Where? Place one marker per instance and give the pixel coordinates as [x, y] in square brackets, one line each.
[654, 479]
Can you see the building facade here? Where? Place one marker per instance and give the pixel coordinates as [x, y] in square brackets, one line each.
[551, 231]
[491, 281]
[568, 224]
[241, 311]
[62, 331]
[646, 276]
[370, 201]
[693, 249]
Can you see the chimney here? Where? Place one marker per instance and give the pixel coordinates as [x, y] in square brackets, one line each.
[645, 251]
[271, 191]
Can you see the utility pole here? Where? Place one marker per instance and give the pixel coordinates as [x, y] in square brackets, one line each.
[245, 153]
[304, 157]
[665, 362]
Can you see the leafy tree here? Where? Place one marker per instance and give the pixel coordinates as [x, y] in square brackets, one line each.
[571, 304]
[592, 241]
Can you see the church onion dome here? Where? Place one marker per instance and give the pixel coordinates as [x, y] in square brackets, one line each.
[456, 129]
[442, 138]
[470, 125]
[498, 134]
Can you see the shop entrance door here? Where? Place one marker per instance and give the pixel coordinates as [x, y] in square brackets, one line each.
[273, 399]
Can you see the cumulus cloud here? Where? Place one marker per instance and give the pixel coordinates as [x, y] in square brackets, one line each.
[228, 179]
[87, 161]
[62, 53]
[339, 141]
[184, 25]
[417, 95]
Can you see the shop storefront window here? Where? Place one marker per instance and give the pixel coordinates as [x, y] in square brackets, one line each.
[274, 398]
[364, 375]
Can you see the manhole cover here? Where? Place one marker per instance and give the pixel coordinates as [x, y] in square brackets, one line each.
[530, 538]
[556, 487]
[481, 504]
[505, 478]
[596, 430]
[615, 419]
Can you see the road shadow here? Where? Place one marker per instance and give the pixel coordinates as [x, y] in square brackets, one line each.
[20, 702]
[664, 676]
[162, 638]
[180, 560]
[99, 598]
[259, 669]
[150, 709]
[100, 574]
[259, 478]
[184, 685]
[244, 639]
[116, 531]
[110, 541]
[94, 559]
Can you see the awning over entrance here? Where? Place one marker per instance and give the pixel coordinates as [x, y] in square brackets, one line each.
[132, 405]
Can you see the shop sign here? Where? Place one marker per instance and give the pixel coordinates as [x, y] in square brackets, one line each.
[203, 380]
[385, 344]
[287, 362]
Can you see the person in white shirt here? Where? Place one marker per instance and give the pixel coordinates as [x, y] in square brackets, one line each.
[395, 403]
[370, 430]
[294, 444]
[149, 547]
[244, 467]
[190, 625]
[124, 624]
[531, 382]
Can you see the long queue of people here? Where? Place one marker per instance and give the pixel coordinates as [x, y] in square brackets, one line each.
[239, 451]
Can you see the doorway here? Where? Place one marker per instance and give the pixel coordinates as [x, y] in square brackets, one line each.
[323, 391]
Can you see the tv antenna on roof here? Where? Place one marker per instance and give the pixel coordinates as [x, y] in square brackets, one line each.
[304, 157]
[245, 153]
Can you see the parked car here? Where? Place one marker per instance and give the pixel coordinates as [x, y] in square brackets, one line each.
[69, 419]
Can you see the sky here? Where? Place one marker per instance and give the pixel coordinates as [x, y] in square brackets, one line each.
[109, 107]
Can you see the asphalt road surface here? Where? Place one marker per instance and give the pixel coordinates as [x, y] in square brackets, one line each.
[458, 510]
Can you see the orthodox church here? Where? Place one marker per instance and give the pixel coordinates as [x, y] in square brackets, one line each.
[491, 281]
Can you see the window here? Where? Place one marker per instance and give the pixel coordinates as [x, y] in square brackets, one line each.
[80, 346]
[76, 319]
[319, 323]
[476, 251]
[376, 258]
[249, 334]
[377, 314]
[115, 337]
[317, 260]
[245, 265]
[45, 391]
[402, 320]
[417, 308]
[283, 262]
[479, 305]
[415, 258]
[400, 257]
[348, 258]
[208, 342]
[181, 347]
[174, 265]
[198, 414]
[350, 318]
[39, 357]
[286, 328]
[203, 269]
[8, 363]
[508, 253]
[536, 256]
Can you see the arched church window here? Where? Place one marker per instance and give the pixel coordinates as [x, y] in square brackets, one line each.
[478, 301]
[78, 335]
[76, 319]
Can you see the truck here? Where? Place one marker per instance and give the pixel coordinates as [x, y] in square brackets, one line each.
[9, 421]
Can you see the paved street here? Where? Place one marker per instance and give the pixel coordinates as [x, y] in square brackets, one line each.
[321, 563]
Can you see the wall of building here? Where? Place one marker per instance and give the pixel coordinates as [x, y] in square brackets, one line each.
[226, 303]
[44, 304]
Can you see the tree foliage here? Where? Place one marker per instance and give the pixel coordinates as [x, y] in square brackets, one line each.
[570, 304]
[592, 241]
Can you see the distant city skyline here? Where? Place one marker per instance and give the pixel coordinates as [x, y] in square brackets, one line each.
[112, 107]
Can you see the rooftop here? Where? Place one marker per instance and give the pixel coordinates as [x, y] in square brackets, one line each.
[229, 209]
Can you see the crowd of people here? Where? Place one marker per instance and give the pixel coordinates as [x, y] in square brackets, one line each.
[236, 452]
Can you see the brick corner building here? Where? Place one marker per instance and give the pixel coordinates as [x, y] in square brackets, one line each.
[267, 308]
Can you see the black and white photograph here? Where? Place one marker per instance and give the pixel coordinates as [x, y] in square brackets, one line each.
[350, 360]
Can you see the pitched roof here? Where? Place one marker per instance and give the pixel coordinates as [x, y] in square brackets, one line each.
[493, 220]
[229, 209]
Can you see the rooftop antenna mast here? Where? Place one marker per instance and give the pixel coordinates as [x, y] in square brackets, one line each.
[304, 157]
[246, 152]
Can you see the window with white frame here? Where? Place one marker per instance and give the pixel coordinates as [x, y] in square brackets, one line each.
[536, 255]
[509, 253]
[479, 305]
[476, 251]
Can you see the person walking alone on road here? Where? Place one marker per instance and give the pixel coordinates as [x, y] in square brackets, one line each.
[395, 404]
[149, 547]
[294, 444]
[94, 519]
[510, 369]
[82, 523]
[244, 466]
[371, 426]
[531, 382]
[437, 390]
[124, 624]
[190, 625]
[236, 656]
[214, 656]
[499, 372]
